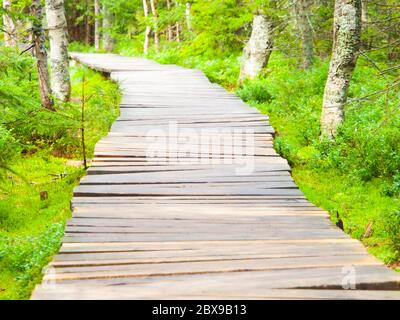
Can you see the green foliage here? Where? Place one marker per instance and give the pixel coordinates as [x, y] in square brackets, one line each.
[34, 147]
[9, 147]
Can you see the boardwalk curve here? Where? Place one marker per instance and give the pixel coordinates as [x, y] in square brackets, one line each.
[153, 220]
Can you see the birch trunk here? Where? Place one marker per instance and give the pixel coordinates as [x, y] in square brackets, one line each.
[177, 26]
[364, 13]
[10, 34]
[108, 40]
[41, 55]
[169, 28]
[153, 5]
[97, 24]
[188, 18]
[258, 49]
[302, 8]
[58, 38]
[147, 32]
[346, 43]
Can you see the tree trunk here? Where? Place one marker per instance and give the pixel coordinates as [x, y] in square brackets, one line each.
[108, 40]
[41, 55]
[146, 44]
[10, 33]
[188, 18]
[87, 24]
[364, 13]
[302, 8]
[58, 38]
[346, 43]
[97, 24]
[153, 5]
[177, 26]
[258, 49]
[169, 28]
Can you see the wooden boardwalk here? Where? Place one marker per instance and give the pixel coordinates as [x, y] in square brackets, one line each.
[161, 216]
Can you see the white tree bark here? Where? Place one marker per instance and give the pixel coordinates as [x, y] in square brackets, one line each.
[347, 34]
[169, 28]
[10, 33]
[302, 8]
[58, 37]
[147, 33]
[188, 17]
[108, 40]
[97, 24]
[258, 49]
[153, 5]
[40, 53]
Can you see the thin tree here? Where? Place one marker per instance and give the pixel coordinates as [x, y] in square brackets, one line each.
[188, 17]
[40, 53]
[153, 5]
[58, 38]
[10, 34]
[258, 49]
[169, 27]
[97, 24]
[147, 32]
[346, 44]
[108, 17]
[302, 14]
[177, 25]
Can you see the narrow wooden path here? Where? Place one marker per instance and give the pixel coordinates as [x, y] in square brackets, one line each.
[154, 219]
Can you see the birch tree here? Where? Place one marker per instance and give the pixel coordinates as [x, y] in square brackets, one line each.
[169, 27]
[302, 9]
[108, 40]
[188, 18]
[346, 43]
[147, 33]
[153, 5]
[10, 34]
[177, 26]
[258, 49]
[97, 24]
[58, 38]
[40, 53]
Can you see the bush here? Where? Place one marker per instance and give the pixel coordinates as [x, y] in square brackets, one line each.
[254, 92]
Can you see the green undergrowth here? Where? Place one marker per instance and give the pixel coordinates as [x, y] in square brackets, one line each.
[357, 176]
[40, 154]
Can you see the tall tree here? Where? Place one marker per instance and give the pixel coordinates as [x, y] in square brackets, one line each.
[346, 43]
[258, 49]
[108, 18]
[169, 27]
[147, 33]
[188, 17]
[97, 24]
[58, 38]
[302, 10]
[153, 5]
[177, 25]
[10, 34]
[41, 54]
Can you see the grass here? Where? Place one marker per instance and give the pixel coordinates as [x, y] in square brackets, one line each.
[31, 229]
